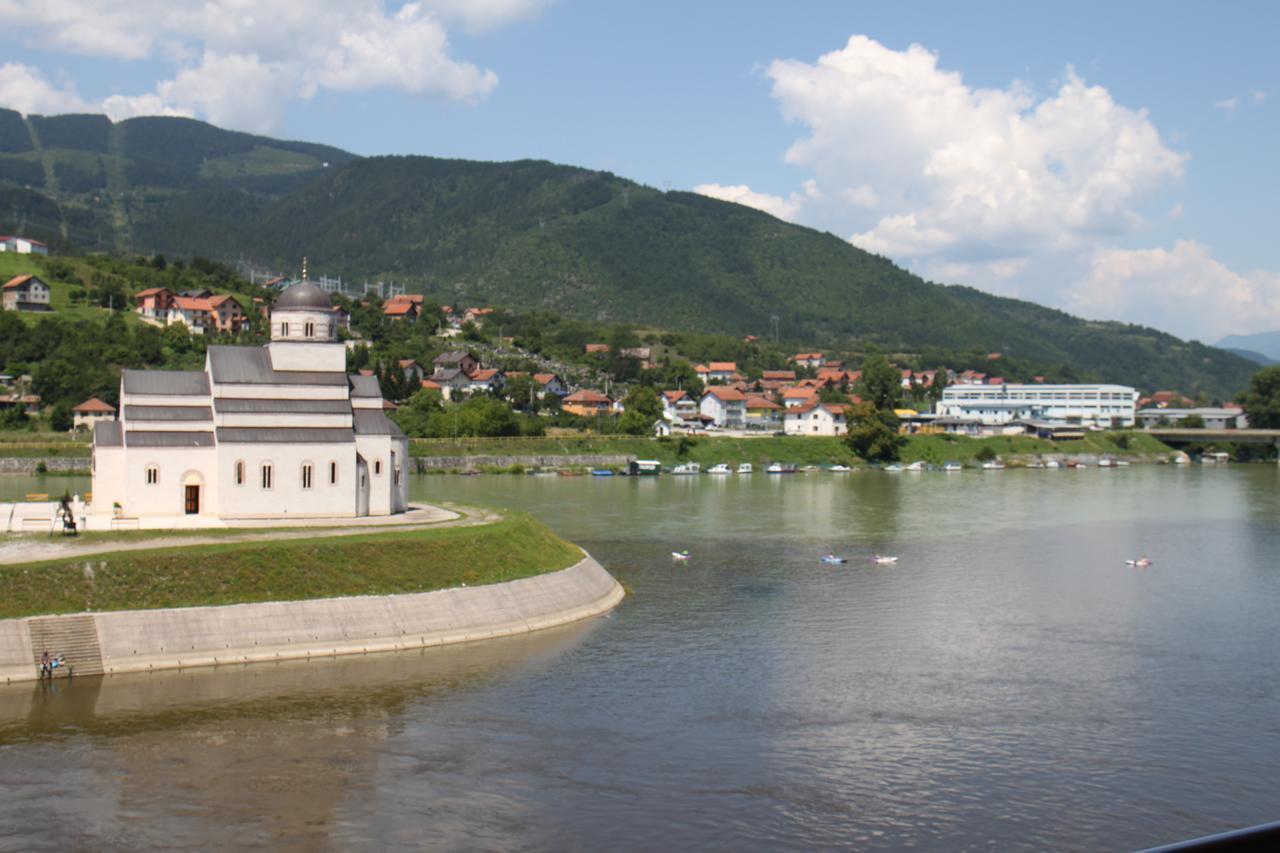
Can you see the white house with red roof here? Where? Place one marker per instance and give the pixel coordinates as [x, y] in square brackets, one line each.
[486, 379]
[727, 407]
[816, 418]
[717, 371]
[798, 396]
[154, 303]
[26, 293]
[679, 406]
[91, 411]
[22, 246]
[808, 359]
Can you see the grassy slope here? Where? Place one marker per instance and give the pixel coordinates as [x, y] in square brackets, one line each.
[59, 291]
[237, 573]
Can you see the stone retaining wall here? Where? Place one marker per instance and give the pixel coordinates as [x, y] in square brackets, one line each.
[473, 463]
[176, 638]
[27, 464]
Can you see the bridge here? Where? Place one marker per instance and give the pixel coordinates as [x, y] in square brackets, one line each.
[1174, 436]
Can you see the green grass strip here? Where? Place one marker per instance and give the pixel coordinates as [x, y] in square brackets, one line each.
[381, 563]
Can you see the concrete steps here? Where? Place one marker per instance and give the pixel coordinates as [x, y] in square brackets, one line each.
[75, 638]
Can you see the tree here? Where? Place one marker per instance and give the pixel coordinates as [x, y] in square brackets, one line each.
[642, 408]
[61, 418]
[522, 393]
[873, 433]
[881, 383]
[1262, 400]
[414, 417]
[1192, 422]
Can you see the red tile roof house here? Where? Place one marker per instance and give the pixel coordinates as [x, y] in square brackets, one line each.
[799, 396]
[678, 406]
[26, 293]
[808, 359]
[728, 406]
[23, 246]
[456, 359]
[587, 402]
[487, 379]
[91, 411]
[778, 376]
[718, 371]
[596, 348]
[550, 383]
[401, 310]
[154, 304]
[412, 371]
[816, 418]
[763, 414]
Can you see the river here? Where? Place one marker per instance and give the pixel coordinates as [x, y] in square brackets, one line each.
[1009, 684]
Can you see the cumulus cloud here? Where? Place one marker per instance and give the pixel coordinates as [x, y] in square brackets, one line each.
[1183, 290]
[783, 208]
[1228, 105]
[239, 62]
[26, 90]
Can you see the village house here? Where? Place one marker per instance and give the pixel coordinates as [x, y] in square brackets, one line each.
[778, 376]
[798, 396]
[596, 348]
[90, 412]
[486, 379]
[727, 407]
[550, 383]
[23, 246]
[808, 359]
[411, 370]
[401, 310]
[202, 314]
[717, 371]
[1227, 417]
[763, 414]
[153, 304]
[28, 403]
[586, 403]
[453, 383]
[26, 293]
[679, 406]
[272, 432]
[476, 316]
[816, 418]
[457, 360]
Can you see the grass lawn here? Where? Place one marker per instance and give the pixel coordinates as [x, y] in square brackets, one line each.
[379, 563]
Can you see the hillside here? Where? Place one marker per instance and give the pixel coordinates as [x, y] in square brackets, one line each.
[532, 234]
[1263, 344]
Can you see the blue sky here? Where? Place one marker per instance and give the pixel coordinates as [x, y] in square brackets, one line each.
[1115, 160]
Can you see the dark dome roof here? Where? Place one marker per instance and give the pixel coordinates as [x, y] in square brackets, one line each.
[303, 295]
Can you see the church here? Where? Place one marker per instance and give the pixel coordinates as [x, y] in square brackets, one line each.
[273, 432]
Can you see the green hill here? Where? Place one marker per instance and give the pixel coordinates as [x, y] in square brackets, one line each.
[531, 234]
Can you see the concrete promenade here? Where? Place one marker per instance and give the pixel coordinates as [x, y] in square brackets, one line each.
[178, 638]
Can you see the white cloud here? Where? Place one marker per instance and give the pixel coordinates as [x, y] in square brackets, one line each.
[26, 90]
[783, 208]
[1183, 290]
[239, 62]
[1228, 105]
[1259, 96]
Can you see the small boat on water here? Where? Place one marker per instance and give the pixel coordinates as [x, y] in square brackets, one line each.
[687, 468]
[680, 556]
[779, 468]
[893, 468]
[809, 468]
[993, 465]
[1052, 463]
[644, 467]
[1120, 463]
[1140, 563]
[881, 560]
[1105, 463]
[832, 559]
[602, 472]
[745, 468]
[719, 469]
[839, 469]
[915, 466]
[951, 467]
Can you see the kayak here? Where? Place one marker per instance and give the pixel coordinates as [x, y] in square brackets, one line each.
[679, 555]
[883, 560]
[833, 560]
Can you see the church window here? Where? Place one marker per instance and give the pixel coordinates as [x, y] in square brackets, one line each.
[309, 330]
[377, 467]
[153, 475]
[396, 475]
[333, 473]
[308, 475]
[239, 472]
[266, 475]
[284, 330]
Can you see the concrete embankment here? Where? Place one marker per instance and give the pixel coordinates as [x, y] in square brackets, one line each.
[142, 640]
[473, 463]
[31, 464]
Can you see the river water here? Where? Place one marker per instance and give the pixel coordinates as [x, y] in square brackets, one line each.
[1008, 684]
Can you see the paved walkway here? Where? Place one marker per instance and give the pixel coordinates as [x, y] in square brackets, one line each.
[34, 547]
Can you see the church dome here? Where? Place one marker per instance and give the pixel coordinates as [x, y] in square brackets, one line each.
[303, 296]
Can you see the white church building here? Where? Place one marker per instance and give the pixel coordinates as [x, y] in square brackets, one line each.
[273, 432]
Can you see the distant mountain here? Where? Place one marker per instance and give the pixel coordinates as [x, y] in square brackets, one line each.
[1255, 357]
[1265, 344]
[531, 234]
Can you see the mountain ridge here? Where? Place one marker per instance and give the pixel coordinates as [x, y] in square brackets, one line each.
[534, 234]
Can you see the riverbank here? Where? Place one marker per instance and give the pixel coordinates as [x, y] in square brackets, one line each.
[514, 454]
[330, 593]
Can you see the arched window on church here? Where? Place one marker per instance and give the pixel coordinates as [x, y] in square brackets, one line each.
[239, 472]
[309, 330]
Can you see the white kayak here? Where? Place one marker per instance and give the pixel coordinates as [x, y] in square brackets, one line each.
[833, 559]
[679, 555]
[1140, 563]
[878, 559]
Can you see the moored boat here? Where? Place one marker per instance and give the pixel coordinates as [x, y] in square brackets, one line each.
[644, 467]
[951, 467]
[745, 468]
[722, 468]
[687, 468]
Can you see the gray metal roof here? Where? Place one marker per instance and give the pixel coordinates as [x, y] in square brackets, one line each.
[365, 386]
[166, 382]
[237, 405]
[108, 434]
[376, 423]
[252, 366]
[303, 296]
[148, 438]
[168, 413]
[284, 435]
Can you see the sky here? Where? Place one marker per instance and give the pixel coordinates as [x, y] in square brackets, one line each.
[1115, 160]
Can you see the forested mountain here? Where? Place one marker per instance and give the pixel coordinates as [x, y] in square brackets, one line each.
[532, 234]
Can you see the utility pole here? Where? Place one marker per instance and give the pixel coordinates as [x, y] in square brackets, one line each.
[774, 320]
